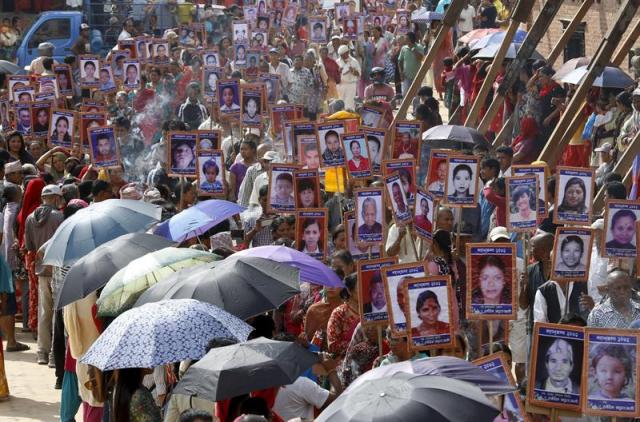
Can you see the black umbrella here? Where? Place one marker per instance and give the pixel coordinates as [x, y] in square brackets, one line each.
[453, 136]
[92, 271]
[407, 397]
[244, 287]
[257, 364]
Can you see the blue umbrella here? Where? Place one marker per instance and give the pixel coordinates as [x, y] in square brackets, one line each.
[611, 77]
[425, 16]
[311, 270]
[441, 5]
[162, 332]
[198, 219]
[97, 224]
[496, 38]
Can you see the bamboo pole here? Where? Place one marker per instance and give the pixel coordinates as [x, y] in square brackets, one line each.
[624, 162]
[505, 132]
[568, 32]
[520, 13]
[626, 45]
[536, 32]
[449, 21]
[558, 139]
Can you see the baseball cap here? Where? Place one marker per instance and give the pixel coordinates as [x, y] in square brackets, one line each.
[83, 26]
[273, 51]
[606, 147]
[51, 190]
[271, 156]
[499, 233]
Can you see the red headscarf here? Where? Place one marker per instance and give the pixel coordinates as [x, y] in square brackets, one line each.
[30, 202]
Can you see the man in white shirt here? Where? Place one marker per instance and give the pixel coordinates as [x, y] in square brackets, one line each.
[465, 22]
[299, 399]
[349, 77]
[127, 30]
[276, 67]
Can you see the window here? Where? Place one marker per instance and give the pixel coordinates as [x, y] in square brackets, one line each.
[575, 46]
[53, 29]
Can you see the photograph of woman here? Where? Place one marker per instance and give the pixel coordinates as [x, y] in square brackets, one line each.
[357, 161]
[522, 202]
[460, 184]
[493, 286]
[621, 230]
[61, 129]
[63, 76]
[438, 178]
[490, 281]
[132, 72]
[423, 218]
[88, 70]
[523, 214]
[311, 234]
[429, 311]
[574, 196]
[571, 255]
[211, 77]
[40, 117]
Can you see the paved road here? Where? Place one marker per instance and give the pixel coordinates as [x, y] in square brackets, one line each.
[33, 397]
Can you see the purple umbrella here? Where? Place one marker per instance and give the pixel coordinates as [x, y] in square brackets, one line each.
[311, 270]
[196, 220]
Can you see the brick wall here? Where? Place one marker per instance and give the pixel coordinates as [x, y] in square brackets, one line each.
[598, 21]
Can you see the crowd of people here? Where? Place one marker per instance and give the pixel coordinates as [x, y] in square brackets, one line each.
[287, 110]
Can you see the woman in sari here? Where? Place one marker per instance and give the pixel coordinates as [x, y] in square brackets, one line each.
[344, 319]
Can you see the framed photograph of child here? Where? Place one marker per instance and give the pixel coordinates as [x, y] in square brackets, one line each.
[406, 169]
[406, 140]
[430, 312]
[332, 154]
[377, 145]
[620, 239]
[370, 216]
[556, 366]
[541, 171]
[496, 365]
[491, 281]
[281, 192]
[574, 195]
[104, 149]
[290, 14]
[342, 11]
[522, 196]
[89, 68]
[182, 156]
[90, 120]
[62, 126]
[318, 29]
[311, 232]
[371, 116]
[461, 186]
[358, 250]
[208, 139]
[610, 351]
[107, 81]
[40, 115]
[211, 172]
[372, 300]
[251, 102]
[211, 57]
[64, 78]
[210, 77]
[424, 212]
[307, 189]
[300, 129]
[308, 152]
[572, 254]
[398, 198]
[229, 96]
[263, 22]
[356, 154]
[395, 278]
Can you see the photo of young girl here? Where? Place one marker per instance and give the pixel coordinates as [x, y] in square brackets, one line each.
[462, 181]
[210, 165]
[307, 189]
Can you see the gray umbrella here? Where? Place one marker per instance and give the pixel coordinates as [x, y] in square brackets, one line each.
[92, 271]
[257, 364]
[244, 287]
[453, 136]
[10, 68]
[407, 397]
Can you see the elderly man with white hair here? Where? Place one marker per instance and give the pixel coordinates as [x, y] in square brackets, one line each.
[349, 76]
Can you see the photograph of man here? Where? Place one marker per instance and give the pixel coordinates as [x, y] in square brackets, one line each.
[211, 59]
[558, 365]
[282, 191]
[24, 121]
[378, 301]
[405, 147]
[182, 156]
[399, 200]
[161, 53]
[423, 215]
[318, 33]
[106, 81]
[369, 214]
[104, 148]
[131, 75]
[310, 156]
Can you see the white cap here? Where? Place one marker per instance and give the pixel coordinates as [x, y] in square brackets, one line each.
[51, 190]
[13, 167]
[606, 147]
[271, 156]
[499, 233]
[343, 49]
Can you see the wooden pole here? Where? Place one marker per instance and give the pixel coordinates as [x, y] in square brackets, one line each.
[413, 243]
[538, 30]
[558, 139]
[624, 162]
[379, 327]
[522, 10]
[626, 45]
[449, 21]
[568, 32]
[505, 132]
[554, 415]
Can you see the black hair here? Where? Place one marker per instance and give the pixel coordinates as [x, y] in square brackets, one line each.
[491, 163]
[505, 150]
[192, 415]
[128, 381]
[99, 186]
[423, 297]
[460, 168]
[616, 190]
[411, 36]
[572, 238]
[612, 177]
[122, 122]
[255, 406]
[263, 325]
[263, 191]
[622, 214]
[573, 319]
[304, 184]
[70, 210]
[442, 238]
[217, 342]
[350, 283]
